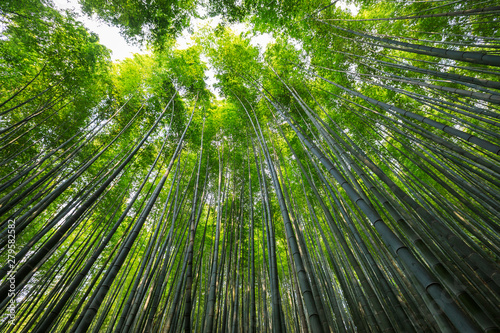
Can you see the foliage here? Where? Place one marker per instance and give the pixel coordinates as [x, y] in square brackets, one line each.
[140, 21]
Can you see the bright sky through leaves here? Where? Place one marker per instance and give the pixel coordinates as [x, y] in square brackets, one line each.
[108, 35]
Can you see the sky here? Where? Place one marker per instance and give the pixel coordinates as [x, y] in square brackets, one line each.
[111, 38]
[108, 35]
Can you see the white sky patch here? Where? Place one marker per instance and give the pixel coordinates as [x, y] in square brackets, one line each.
[262, 40]
[352, 7]
[109, 36]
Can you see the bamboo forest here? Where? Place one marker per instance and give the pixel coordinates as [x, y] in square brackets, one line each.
[343, 176]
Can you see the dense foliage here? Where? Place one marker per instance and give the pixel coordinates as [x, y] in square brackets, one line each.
[345, 180]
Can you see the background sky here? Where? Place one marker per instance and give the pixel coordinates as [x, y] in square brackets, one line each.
[111, 38]
[108, 35]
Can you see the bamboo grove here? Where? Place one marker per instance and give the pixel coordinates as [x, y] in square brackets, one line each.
[347, 178]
